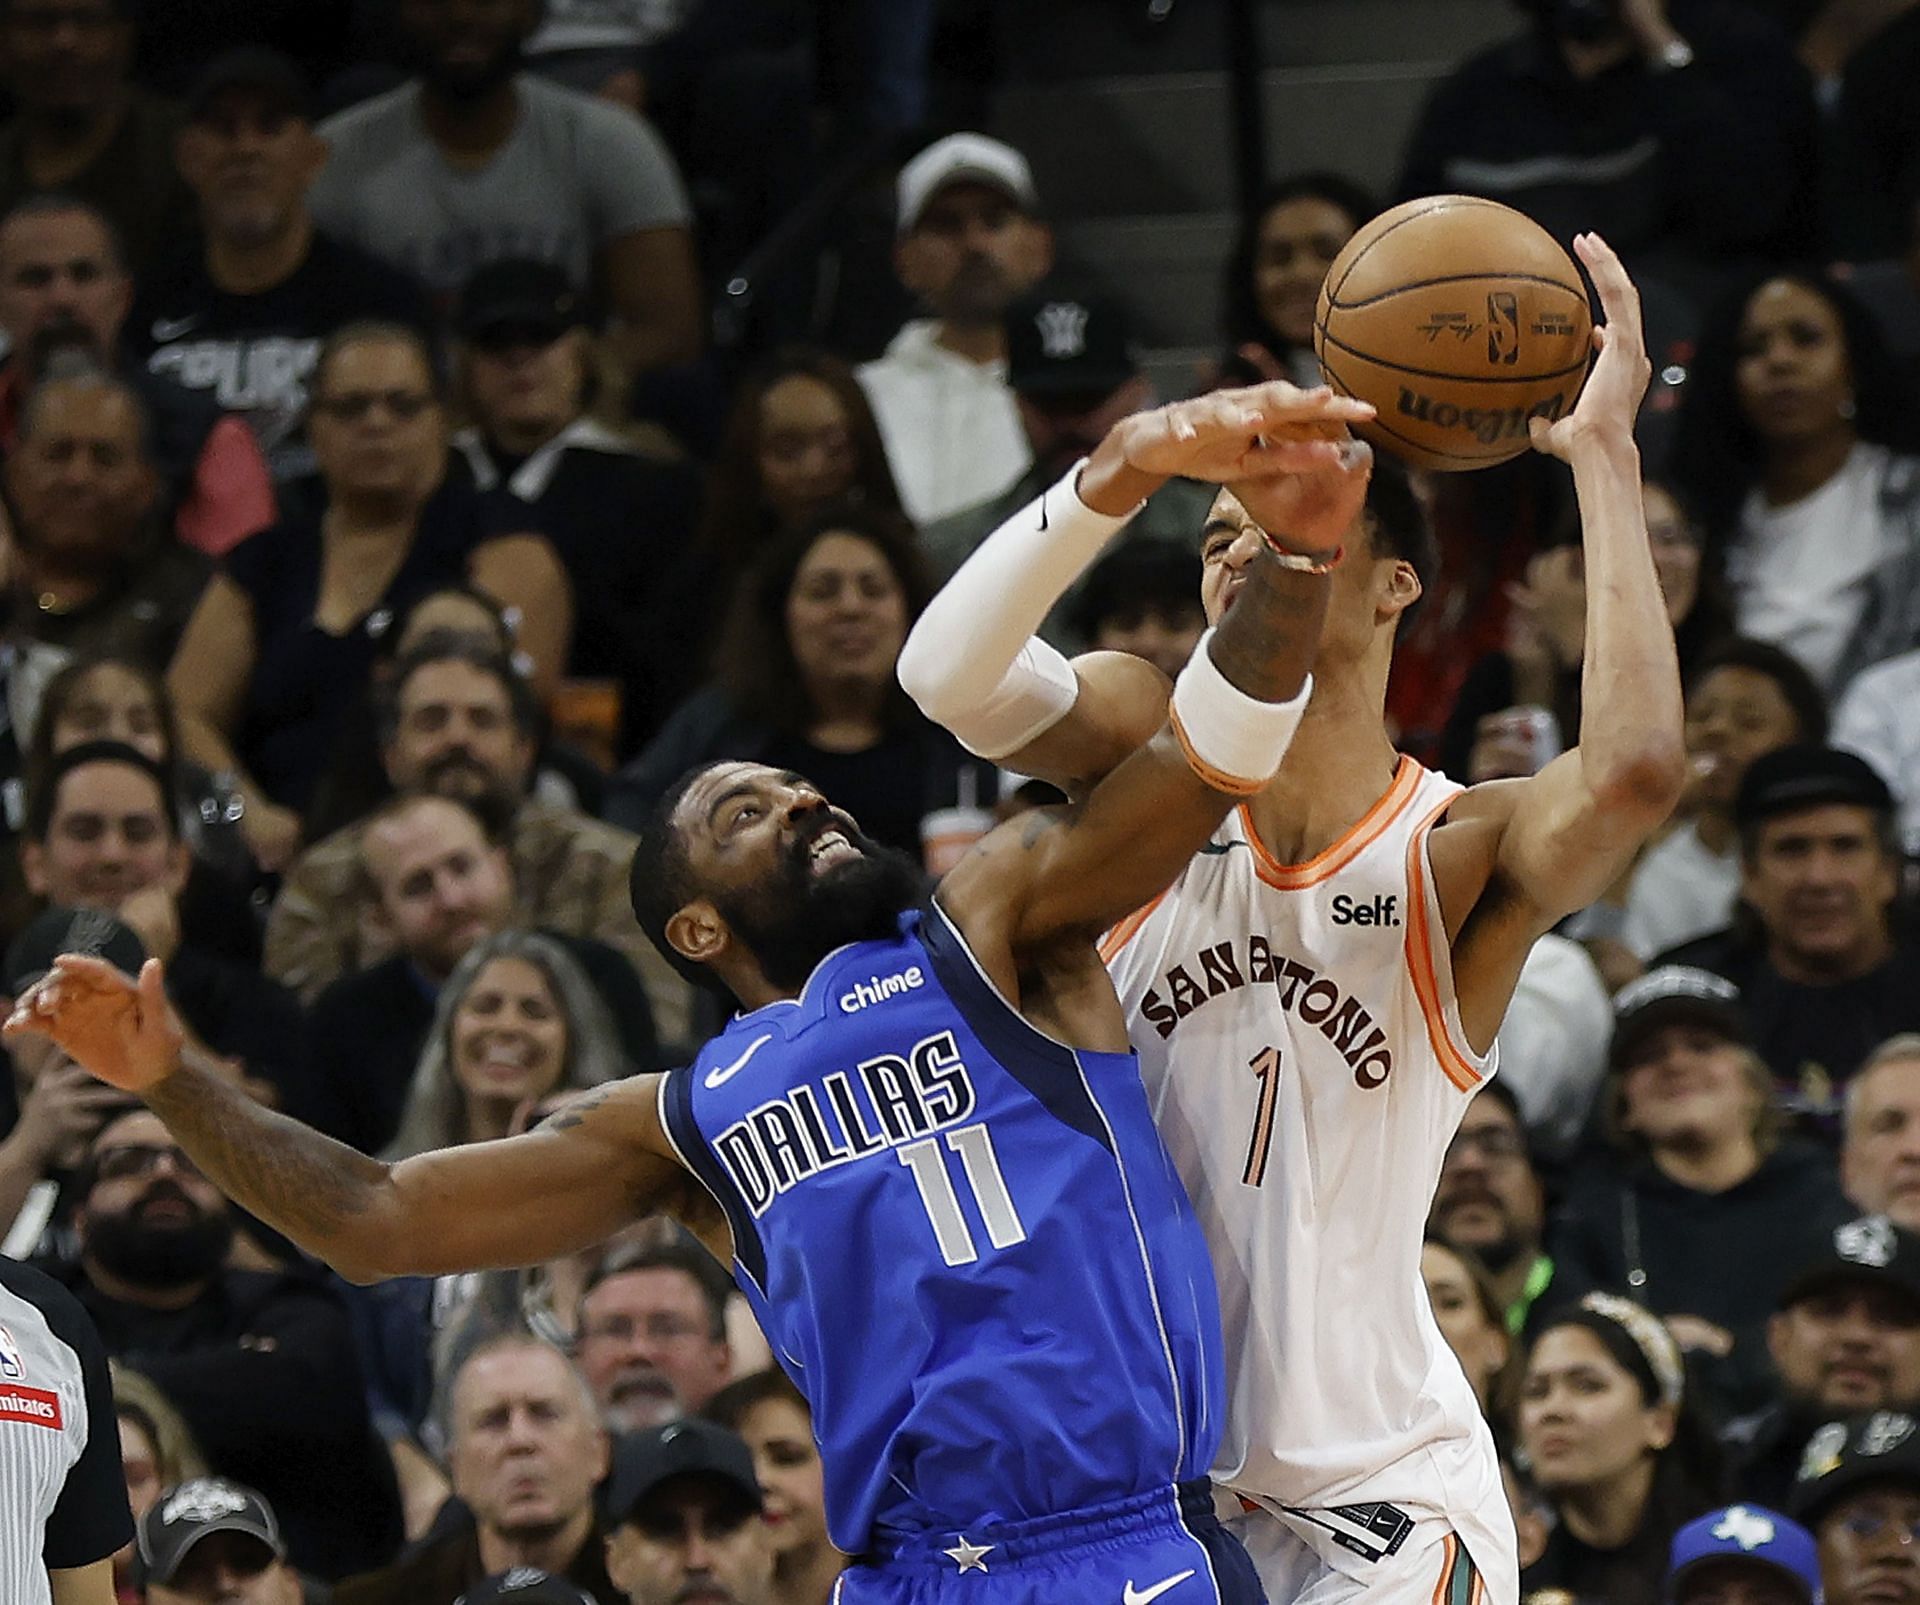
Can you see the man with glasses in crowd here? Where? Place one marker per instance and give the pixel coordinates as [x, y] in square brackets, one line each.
[1491, 1202]
[1859, 1492]
[653, 1335]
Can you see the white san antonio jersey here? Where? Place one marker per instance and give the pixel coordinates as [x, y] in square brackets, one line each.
[1300, 1041]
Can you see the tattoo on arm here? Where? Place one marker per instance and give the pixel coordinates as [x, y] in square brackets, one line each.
[307, 1185]
[1267, 641]
[576, 1112]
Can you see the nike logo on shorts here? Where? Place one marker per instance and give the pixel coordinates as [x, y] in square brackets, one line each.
[1145, 1596]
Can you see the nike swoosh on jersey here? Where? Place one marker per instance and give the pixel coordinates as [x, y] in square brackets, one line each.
[1145, 1596]
[720, 1077]
[167, 330]
[1215, 849]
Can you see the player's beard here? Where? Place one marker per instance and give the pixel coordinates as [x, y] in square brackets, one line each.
[159, 1256]
[797, 918]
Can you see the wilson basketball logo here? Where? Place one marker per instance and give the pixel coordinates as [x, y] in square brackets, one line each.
[35, 1406]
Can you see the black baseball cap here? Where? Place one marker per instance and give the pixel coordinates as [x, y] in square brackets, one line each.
[642, 1461]
[1846, 1455]
[1670, 995]
[260, 70]
[192, 1511]
[517, 293]
[1065, 346]
[1805, 776]
[1871, 1249]
[525, 1585]
[70, 930]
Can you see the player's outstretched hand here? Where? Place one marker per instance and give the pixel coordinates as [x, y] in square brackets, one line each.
[1615, 388]
[1237, 434]
[122, 1030]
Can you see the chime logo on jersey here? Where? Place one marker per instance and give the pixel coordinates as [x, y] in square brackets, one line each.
[35, 1406]
[12, 1367]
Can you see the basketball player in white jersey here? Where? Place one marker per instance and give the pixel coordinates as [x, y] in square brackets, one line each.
[1315, 999]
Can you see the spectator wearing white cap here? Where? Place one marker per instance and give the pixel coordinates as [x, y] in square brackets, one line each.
[970, 242]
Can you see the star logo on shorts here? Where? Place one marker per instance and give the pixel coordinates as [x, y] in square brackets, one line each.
[971, 1557]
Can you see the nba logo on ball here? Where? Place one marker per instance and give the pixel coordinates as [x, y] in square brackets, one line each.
[11, 1366]
[1461, 320]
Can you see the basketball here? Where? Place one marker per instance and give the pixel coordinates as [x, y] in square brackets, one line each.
[1459, 319]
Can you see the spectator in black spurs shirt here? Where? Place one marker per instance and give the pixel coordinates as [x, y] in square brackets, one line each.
[617, 516]
[260, 1363]
[1825, 973]
[240, 316]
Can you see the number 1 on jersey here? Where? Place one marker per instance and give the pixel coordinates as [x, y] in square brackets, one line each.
[995, 1203]
[1266, 1065]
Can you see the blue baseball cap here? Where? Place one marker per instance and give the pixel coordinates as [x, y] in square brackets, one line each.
[1749, 1533]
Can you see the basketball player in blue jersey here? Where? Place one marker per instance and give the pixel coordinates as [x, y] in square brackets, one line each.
[923, 1142]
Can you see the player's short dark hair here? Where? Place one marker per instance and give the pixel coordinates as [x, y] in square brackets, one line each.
[1797, 687]
[689, 1258]
[61, 203]
[43, 789]
[456, 646]
[660, 880]
[1398, 526]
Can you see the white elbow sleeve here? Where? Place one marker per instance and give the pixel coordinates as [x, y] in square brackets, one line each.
[972, 663]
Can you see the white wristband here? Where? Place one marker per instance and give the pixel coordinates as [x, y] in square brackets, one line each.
[1233, 742]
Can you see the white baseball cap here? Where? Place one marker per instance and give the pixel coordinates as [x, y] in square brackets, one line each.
[964, 158]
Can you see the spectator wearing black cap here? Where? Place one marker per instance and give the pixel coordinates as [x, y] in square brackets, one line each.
[65, 290]
[525, 1451]
[525, 1585]
[239, 316]
[970, 240]
[1859, 1492]
[682, 1512]
[215, 1542]
[1823, 973]
[1845, 1338]
[1743, 1555]
[476, 160]
[260, 1363]
[619, 516]
[1710, 1213]
[1071, 367]
[82, 127]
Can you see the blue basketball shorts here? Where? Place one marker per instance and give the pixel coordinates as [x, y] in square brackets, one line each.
[1163, 1548]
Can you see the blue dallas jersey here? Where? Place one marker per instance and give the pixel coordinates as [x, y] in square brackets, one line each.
[964, 1240]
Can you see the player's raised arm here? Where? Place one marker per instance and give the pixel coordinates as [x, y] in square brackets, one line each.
[1577, 824]
[1072, 871]
[592, 1169]
[973, 662]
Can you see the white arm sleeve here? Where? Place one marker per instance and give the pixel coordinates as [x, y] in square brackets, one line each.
[972, 662]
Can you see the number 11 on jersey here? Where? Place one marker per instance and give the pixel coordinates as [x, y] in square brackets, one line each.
[989, 1187]
[1266, 1065]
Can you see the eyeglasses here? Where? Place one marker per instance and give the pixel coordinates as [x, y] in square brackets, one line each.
[353, 406]
[1870, 1527]
[120, 1164]
[660, 1328]
[1496, 1144]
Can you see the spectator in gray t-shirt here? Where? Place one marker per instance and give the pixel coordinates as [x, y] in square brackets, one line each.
[475, 160]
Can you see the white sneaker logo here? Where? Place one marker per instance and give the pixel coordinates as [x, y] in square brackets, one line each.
[720, 1077]
[1145, 1596]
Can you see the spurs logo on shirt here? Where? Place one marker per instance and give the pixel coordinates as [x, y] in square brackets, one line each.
[1299, 1038]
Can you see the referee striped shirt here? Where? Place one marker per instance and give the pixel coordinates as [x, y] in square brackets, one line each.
[63, 1498]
